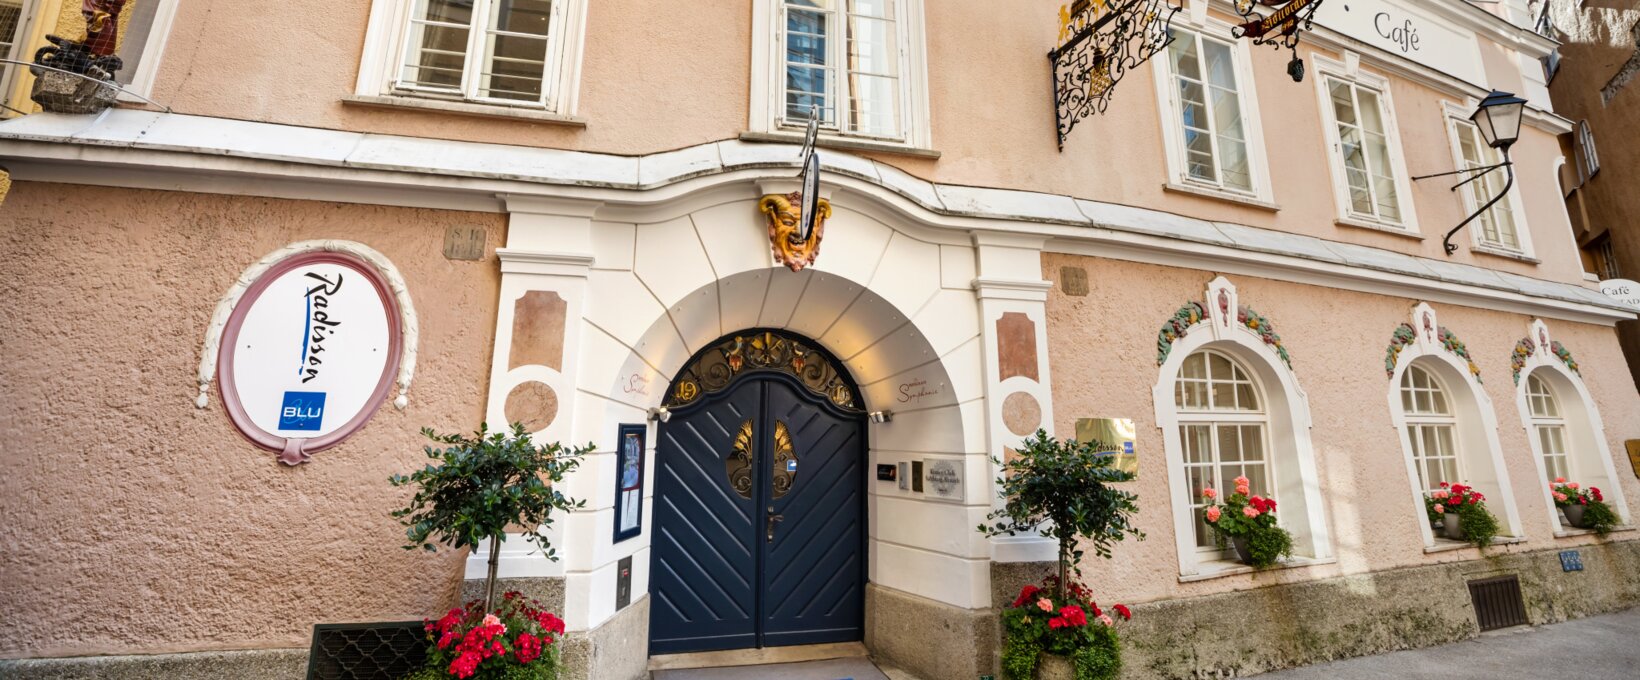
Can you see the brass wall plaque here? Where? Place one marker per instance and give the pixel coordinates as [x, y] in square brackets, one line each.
[1117, 437]
[464, 243]
[1073, 281]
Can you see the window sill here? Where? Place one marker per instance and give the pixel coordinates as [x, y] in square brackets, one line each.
[1226, 568]
[1446, 545]
[841, 143]
[1570, 532]
[1377, 226]
[1506, 254]
[463, 109]
[1221, 195]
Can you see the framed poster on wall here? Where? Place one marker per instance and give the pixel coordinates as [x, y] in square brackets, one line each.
[629, 481]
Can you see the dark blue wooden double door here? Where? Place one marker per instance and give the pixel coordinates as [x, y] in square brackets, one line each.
[759, 521]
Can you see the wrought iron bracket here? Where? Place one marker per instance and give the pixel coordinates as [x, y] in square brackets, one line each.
[1102, 48]
[1507, 166]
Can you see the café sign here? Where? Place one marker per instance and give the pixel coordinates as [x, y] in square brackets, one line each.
[1400, 28]
[309, 353]
[1624, 291]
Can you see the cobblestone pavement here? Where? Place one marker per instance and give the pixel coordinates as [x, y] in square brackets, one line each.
[1594, 648]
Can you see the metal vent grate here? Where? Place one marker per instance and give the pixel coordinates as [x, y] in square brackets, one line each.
[1498, 603]
[367, 651]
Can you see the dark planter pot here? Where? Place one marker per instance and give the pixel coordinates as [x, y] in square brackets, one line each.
[1054, 667]
[1454, 528]
[1574, 515]
[1243, 553]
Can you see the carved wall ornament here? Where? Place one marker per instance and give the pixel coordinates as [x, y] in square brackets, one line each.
[1429, 335]
[717, 367]
[1404, 335]
[785, 239]
[1517, 359]
[1193, 313]
[1526, 348]
[1451, 343]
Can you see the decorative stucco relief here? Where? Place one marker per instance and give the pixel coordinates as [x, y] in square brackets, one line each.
[1193, 313]
[1432, 333]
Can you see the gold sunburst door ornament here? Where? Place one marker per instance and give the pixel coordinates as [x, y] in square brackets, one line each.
[785, 239]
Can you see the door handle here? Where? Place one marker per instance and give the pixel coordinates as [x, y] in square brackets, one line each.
[773, 518]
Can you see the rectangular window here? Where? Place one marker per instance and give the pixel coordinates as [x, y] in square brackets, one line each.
[1553, 440]
[494, 51]
[1588, 159]
[1434, 454]
[1214, 455]
[1207, 103]
[1495, 227]
[1364, 150]
[844, 58]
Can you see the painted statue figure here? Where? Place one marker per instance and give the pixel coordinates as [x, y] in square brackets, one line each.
[74, 76]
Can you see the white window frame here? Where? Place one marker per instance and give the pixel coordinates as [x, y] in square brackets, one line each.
[1350, 71]
[1588, 456]
[768, 101]
[152, 54]
[1420, 422]
[1457, 118]
[1539, 392]
[10, 74]
[1480, 455]
[1213, 419]
[1167, 94]
[1588, 158]
[387, 39]
[1289, 454]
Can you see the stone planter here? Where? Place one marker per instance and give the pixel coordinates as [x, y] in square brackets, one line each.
[62, 93]
[1243, 553]
[1574, 515]
[1454, 528]
[1054, 667]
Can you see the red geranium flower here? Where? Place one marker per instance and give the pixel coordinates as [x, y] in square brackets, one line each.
[1122, 609]
[1026, 594]
[1073, 615]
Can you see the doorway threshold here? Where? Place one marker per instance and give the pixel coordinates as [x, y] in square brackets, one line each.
[755, 657]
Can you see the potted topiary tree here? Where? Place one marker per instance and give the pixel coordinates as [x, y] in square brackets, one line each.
[1062, 490]
[477, 487]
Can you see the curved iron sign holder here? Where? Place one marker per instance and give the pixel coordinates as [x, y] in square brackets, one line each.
[1100, 50]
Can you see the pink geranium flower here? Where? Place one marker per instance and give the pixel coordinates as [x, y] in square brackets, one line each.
[1213, 513]
[1560, 496]
[1106, 621]
[1209, 493]
[1560, 480]
[1250, 512]
[1572, 486]
[1044, 604]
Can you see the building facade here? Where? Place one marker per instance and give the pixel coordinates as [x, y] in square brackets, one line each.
[564, 212]
[1592, 83]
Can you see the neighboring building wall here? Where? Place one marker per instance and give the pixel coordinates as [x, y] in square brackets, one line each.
[1598, 59]
[138, 523]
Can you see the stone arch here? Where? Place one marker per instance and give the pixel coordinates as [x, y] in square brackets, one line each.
[1436, 349]
[894, 305]
[1224, 325]
[1538, 354]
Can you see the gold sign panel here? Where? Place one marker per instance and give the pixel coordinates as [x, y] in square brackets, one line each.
[1634, 455]
[1117, 437]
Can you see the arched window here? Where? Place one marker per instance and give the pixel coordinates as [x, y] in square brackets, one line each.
[1224, 430]
[1431, 427]
[1548, 427]
[1228, 404]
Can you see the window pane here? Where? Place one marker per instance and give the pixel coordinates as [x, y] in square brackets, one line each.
[882, 9]
[1186, 63]
[1229, 443]
[1198, 443]
[873, 69]
[530, 17]
[1372, 117]
[1221, 69]
[1237, 172]
[1195, 366]
[436, 50]
[1343, 104]
[871, 46]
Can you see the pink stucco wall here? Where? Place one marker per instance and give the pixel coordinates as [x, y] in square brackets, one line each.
[1103, 347]
[990, 100]
[134, 522]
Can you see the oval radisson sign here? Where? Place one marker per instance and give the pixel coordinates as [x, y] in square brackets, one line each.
[309, 353]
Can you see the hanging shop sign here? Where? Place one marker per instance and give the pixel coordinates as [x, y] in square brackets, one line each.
[1402, 28]
[629, 481]
[308, 353]
[1623, 291]
[1100, 40]
[1282, 26]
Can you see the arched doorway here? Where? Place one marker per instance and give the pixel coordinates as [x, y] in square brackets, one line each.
[759, 512]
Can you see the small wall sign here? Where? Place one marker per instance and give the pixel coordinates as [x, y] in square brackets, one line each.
[1623, 291]
[1117, 435]
[308, 353]
[1571, 560]
[623, 583]
[1633, 446]
[888, 473]
[945, 479]
[629, 481]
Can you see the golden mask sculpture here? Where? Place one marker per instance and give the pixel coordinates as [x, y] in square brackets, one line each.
[784, 215]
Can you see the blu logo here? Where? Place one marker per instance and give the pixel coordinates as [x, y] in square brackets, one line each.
[302, 411]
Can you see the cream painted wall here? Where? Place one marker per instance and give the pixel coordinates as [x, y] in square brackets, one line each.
[1103, 350]
[662, 76]
[134, 522]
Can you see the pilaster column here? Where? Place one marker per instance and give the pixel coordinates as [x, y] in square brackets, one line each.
[544, 267]
[1018, 384]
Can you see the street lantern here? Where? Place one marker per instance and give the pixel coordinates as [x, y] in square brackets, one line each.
[1498, 118]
